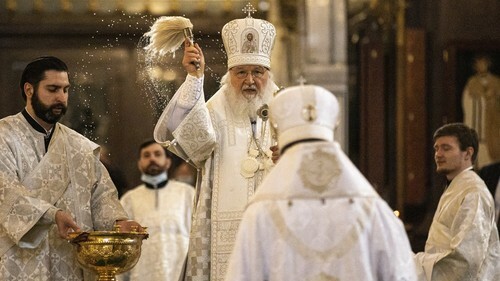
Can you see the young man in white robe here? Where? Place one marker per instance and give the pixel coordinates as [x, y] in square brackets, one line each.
[315, 217]
[228, 139]
[51, 182]
[164, 205]
[462, 244]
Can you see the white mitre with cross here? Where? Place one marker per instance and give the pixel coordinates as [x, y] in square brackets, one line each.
[248, 41]
[304, 112]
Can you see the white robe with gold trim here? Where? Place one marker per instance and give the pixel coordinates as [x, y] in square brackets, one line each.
[169, 222]
[216, 142]
[316, 218]
[463, 239]
[34, 185]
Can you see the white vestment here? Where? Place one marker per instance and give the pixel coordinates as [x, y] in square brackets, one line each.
[463, 239]
[316, 218]
[166, 212]
[217, 142]
[34, 185]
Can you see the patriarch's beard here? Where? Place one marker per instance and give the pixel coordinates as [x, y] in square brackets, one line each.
[246, 105]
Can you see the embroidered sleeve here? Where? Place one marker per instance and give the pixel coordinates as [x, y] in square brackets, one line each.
[189, 92]
[178, 108]
[186, 118]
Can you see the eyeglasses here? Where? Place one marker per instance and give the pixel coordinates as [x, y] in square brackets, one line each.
[242, 74]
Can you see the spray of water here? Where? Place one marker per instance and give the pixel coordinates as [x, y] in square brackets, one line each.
[157, 77]
[161, 74]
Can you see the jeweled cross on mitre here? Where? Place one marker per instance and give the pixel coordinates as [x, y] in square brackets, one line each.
[249, 9]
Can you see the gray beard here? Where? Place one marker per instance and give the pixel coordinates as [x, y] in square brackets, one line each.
[246, 108]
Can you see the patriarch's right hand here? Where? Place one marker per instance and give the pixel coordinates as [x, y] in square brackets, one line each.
[193, 56]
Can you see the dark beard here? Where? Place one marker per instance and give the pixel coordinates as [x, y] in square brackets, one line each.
[47, 113]
[154, 169]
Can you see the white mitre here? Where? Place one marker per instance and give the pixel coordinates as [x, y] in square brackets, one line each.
[248, 41]
[304, 112]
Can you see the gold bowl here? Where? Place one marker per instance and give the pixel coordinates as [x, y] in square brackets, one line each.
[108, 253]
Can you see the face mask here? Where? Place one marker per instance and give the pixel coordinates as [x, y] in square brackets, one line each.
[154, 180]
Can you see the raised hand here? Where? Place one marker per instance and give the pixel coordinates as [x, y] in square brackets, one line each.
[193, 57]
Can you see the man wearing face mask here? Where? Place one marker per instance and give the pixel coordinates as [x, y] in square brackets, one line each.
[164, 205]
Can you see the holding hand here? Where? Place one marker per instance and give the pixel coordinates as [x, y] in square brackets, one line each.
[129, 226]
[65, 224]
[193, 57]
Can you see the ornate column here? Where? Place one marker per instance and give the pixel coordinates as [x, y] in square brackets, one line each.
[324, 53]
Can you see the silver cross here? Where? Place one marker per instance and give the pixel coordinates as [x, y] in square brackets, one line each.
[302, 81]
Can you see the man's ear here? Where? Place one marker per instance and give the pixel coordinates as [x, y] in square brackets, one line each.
[469, 152]
[28, 89]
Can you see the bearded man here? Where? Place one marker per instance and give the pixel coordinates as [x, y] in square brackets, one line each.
[315, 217]
[165, 205]
[51, 182]
[227, 138]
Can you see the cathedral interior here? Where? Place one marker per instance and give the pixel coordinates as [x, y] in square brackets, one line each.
[398, 68]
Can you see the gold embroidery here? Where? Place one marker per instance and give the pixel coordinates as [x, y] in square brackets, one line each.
[324, 277]
[319, 169]
[344, 245]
